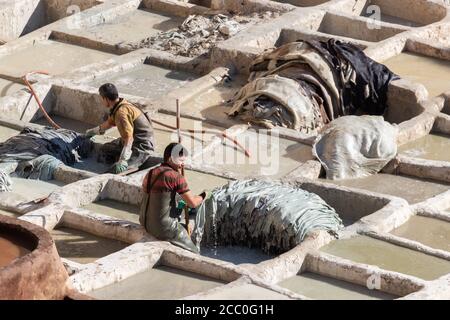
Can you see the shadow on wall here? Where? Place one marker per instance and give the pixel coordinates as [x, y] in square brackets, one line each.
[446, 108]
[37, 19]
[203, 3]
[413, 13]
[32, 109]
[49, 11]
[72, 104]
[350, 205]
[5, 90]
[303, 3]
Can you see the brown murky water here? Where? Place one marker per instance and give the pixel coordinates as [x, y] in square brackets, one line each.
[387, 256]
[431, 147]
[9, 213]
[319, 287]
[212, 103]
[25, 190]
[51, 56]
[66, 123]
[131, 27]
[6, 133]
[115, 209]
[303, 3]
[87, 164]
[198, 181]
[164, 136]
[161, 283]
[433, 73]
[8, 87]
[413, 190]
[147, 81]
[91, 165]
[10, 249]
[397, 20]
[341, 27]
[431, 232]
[80, 127]
[83, 247]
[393, 19]
[247, 292]
[270, 156]
[236, 254]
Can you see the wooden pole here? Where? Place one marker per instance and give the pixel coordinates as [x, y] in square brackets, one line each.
[186, 208]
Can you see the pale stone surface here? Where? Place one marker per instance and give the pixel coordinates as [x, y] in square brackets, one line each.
[154, 79]
[158, 283]
[246, 292]
[50, 56]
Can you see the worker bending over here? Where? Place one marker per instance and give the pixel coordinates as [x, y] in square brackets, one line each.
[136, 143]
[159, 211]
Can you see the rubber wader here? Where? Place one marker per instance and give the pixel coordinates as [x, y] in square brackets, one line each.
[156, 214]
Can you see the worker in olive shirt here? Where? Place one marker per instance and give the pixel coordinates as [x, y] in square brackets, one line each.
[136, 144]
[159, 208]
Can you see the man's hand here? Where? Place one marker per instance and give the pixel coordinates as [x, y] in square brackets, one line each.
[93, 132]
[119, 167]
[205, 195]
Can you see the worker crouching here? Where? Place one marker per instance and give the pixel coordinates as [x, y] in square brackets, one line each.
[134, 147]
[159, 209]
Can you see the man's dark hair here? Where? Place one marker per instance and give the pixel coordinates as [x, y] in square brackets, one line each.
[109, 91]
[176, 150]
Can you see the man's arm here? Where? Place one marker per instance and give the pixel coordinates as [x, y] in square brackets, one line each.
[191, 200]
[99, 129]
[106, 125]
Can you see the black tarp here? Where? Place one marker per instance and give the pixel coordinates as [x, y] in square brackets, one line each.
[368, 91]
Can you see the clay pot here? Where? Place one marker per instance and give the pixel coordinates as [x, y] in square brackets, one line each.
[39, 274]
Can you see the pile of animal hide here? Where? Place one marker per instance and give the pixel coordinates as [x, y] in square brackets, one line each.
[356, 147]
[5, 182]
[262, 214]
[307, 84]
[198, 33]
[36, 153]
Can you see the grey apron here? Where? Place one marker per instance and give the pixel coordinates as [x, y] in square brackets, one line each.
[143, 142]
[156, 214]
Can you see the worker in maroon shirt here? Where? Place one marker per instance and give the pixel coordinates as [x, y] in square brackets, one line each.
[159, 210]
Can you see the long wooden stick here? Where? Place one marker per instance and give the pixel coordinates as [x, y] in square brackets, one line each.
[186, 208]
[212, 131]
[129, 171]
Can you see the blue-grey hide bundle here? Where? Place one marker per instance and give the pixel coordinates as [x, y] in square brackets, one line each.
[40, 168]
[5, 182]
[36, 153]
[262, 214]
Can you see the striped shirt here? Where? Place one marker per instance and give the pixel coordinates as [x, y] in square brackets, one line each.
[167, 180]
